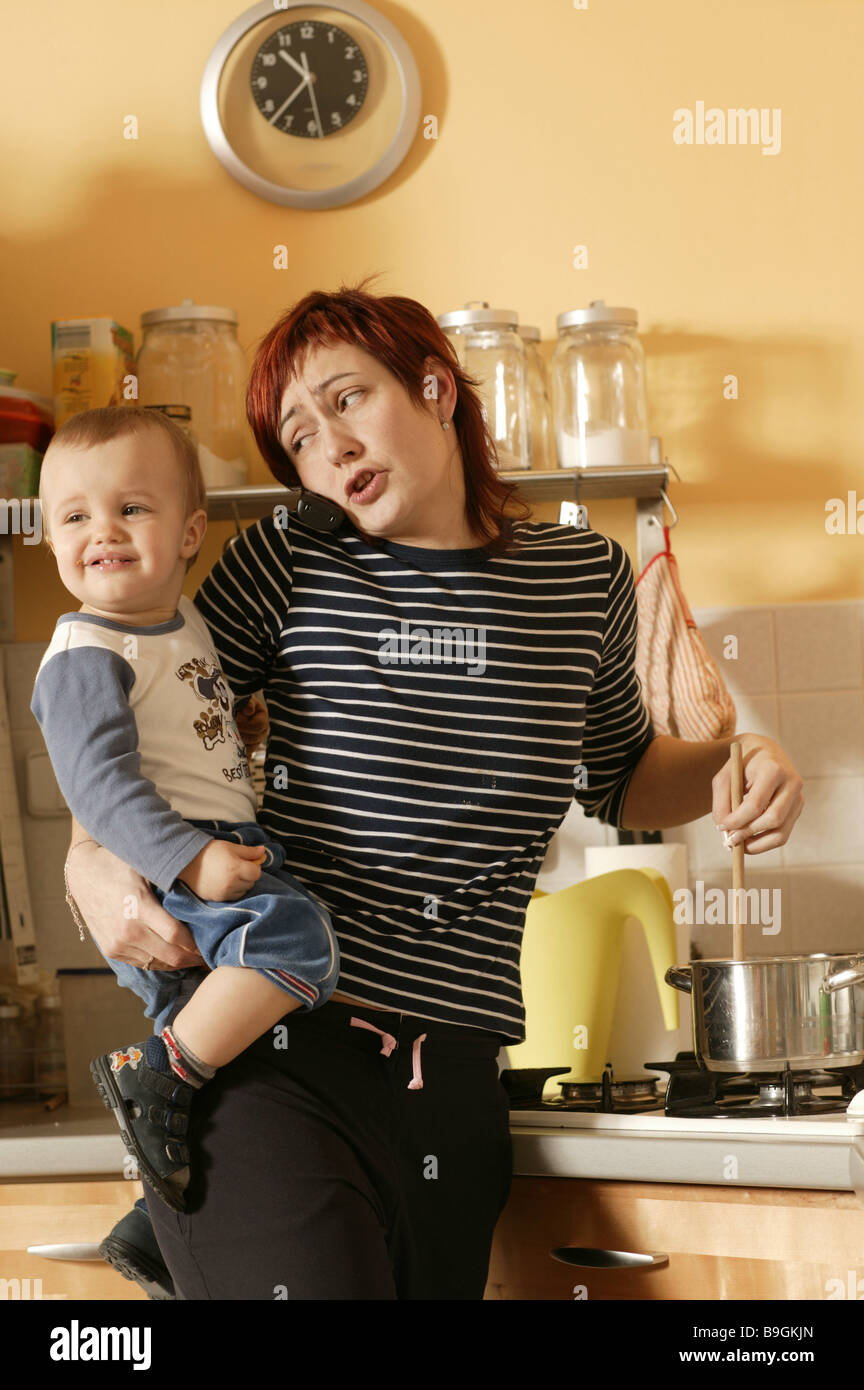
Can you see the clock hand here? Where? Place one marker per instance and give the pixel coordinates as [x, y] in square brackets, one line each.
[312, 95]
[288, 100]
[292, 61]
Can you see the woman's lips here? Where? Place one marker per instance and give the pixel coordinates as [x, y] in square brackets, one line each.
[369, 493]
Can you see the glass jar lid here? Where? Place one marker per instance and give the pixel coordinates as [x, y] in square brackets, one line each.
[528, 333]
[189, 310]
[598, 312]
[477, 314]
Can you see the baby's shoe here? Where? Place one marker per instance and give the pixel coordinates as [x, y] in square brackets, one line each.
[151, 1106]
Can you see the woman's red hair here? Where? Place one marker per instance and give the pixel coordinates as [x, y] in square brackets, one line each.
[401, 334]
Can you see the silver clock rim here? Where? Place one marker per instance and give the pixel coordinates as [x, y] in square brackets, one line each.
[340, 194]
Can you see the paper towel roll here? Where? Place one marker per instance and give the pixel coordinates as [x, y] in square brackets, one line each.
[670, 860]
[638, 1033]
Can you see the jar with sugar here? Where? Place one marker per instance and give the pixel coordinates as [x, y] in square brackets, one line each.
[598, 389]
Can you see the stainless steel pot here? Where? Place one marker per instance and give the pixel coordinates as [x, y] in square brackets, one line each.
[761, 1015]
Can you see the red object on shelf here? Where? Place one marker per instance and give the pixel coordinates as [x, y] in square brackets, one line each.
[25, 418]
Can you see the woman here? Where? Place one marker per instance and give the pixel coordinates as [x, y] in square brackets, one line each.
[434, 670]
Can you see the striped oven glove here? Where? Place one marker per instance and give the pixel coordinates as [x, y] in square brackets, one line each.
[681, 686]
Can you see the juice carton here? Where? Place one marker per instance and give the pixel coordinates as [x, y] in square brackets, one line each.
[91, 357]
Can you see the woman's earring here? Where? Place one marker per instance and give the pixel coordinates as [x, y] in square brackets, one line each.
[445, 424]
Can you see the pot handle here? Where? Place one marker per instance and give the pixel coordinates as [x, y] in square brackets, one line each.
[842, 980]
[680, 977]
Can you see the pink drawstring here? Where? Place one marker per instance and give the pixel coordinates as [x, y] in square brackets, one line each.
[416, 1083]
[389, 1041]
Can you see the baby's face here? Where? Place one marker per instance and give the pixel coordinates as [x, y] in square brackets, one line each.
[117, 523]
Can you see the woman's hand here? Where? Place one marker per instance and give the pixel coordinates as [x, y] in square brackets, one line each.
[772, 801]
[123, 916]
[253, 723]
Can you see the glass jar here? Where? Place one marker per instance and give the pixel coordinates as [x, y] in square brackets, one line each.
[16, 1059]
[190, 353]
[489, 348]
[598, 389]
[50, 1046]
[541, 431]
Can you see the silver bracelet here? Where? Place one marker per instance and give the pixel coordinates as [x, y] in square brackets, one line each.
[73, 906]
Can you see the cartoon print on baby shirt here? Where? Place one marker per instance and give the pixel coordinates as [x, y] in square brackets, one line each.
[216, 724]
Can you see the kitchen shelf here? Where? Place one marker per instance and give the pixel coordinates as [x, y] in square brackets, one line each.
[576, 485]
[557, 485]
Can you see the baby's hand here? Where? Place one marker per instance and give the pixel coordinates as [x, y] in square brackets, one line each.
[253, 723]
[223, 871]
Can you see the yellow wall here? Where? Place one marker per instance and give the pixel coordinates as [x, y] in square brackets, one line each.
[555, 129]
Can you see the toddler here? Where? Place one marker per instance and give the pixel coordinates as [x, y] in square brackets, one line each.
[139, 724]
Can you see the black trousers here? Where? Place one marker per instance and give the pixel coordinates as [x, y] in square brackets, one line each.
[318, 1174]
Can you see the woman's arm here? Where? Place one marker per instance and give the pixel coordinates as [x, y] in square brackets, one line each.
[676, 781]
[121, 913]
[673, 781]
[243, 602]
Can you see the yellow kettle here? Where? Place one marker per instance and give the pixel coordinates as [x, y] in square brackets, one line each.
[571, 961]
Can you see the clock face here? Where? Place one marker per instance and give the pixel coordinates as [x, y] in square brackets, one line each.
[337, 77]
[309, 79]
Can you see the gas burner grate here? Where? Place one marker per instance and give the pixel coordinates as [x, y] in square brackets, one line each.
[628, 1095]
[695, 1092]
[692, 1091]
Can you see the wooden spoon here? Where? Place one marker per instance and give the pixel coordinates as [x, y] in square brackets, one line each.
[738, 950]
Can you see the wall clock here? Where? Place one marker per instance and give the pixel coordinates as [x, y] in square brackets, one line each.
[311, 106]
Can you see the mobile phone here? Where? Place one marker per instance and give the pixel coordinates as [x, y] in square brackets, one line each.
[310, 507]
[316, 511]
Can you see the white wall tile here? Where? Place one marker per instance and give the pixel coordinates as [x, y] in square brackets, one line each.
[758, 714]
[754, 671]
[827, 908]
[831, 826]
[819, 646]
[714, 940]
[823, 733]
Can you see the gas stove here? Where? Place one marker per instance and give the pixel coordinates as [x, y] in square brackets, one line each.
[789, 1129]
[690, 1091]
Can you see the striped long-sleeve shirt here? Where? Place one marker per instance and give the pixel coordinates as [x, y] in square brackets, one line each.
[433, 713]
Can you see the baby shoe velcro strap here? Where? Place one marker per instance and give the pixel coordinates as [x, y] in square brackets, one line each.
[173, 1122]
[169, 1087]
